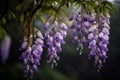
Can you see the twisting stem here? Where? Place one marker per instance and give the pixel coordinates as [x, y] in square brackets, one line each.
[28, 20]
[62, 3]
[33, 12]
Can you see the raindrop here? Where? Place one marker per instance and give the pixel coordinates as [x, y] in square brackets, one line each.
[80, 52]
[77, 48]
[88, 57]
[98, 70]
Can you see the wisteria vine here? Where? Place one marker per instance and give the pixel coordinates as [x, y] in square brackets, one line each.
[89, 28]
[54, 39]
[32, 52]
[92, 31]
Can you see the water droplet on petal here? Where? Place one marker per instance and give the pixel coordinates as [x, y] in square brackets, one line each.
[80, 52]
[77, 48]
[88, 57]
[98, 70]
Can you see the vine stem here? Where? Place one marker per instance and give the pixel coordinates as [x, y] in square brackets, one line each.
[28, 21]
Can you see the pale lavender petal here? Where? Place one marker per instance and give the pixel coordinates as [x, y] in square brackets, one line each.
[5, 47]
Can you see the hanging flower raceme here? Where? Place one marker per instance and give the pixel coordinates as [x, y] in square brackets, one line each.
[89, 28]
[99, 39]
[32, 52]
[80, 25]
[93, 31]
[54, 37]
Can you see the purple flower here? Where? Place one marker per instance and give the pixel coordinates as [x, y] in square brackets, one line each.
[99, 46]
[90, 36]
[46, 25]
[32, 52]
[54, 41]
[24, 45]
[63, 26]
[4, 47]
[92, 44]
[79, 30]
[92, 31]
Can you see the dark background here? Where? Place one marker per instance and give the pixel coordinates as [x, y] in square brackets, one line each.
[71, 65]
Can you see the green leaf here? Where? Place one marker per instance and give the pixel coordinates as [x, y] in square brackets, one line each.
[105, 10]
[12, 14]
[34, 17]
[9, 16]
[22, 18]
[97, 10]
[42, 19]
[48, 9]
[4, 20]
[65, 12]
[111, 6]
[18, 8]
[90, 7]
[2, 33]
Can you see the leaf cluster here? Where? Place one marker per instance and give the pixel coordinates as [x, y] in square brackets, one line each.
[21, 10]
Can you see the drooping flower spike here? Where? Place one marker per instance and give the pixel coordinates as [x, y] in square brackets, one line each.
[99, 39]
[93, 31]
[90, 27]
[32, 52]
[54, 38]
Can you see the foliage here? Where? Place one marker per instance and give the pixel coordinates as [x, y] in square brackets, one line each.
[26, 12]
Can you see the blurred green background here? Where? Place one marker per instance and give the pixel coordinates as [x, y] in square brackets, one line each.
[71, 65]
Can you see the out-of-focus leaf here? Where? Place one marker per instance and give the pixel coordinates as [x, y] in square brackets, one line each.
[22, 17]
[42, 19]
[111, 6]
[4, 20]
[58, 14]
[65, 12]
[12, 14]
[48, 9]
[34, 17]
[90, 7]
[18, 8]
[105, 10]
[5, 48]
[67, 3]
[97, 10]
[9, 16]
[2, 33]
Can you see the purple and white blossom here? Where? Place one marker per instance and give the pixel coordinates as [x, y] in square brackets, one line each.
[32, 52]
[54, 40]
[92, 31]
[5, 48]
[79, 28]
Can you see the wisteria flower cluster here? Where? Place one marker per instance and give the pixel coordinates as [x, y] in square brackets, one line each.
[33, 47]
[92, 31]
[32, 51]
[54, 38]
[89, 29]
